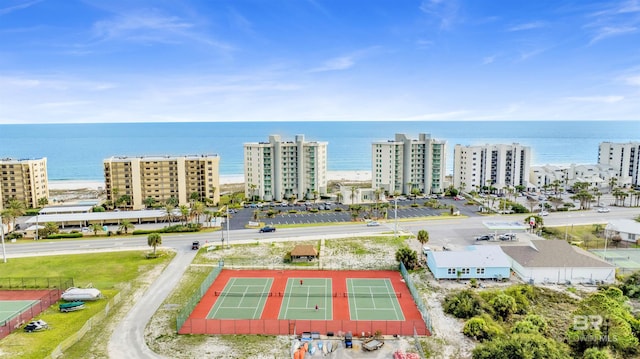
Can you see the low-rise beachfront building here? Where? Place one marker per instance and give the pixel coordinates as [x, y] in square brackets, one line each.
[25, 180]
[625, 158]
[564, 177]
[277, 169]
[481, 262]
[556, 261]
[403, 165]
[626, 230]
[132, 181]
[500, 166]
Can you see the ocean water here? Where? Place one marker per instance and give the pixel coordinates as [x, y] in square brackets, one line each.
[76, 151]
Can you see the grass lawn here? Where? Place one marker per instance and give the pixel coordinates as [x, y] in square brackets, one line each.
[109, 272]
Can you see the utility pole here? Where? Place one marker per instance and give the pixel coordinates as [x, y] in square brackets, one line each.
[4, 254]
[395, 214]
[228, 223]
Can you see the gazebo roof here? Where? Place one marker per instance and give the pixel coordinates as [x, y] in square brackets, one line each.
[304, 250]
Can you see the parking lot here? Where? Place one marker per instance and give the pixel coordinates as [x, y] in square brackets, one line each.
[285, 215]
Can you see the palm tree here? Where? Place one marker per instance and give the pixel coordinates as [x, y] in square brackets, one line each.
[123, 200]
[353, 193]
[197, 208]
[168, 208]
[423, 236]
[184, 213]
[612, 183]
[597, 194]
[315, 195]
[95, 228]
[339, 197]
[149, 202]
[15, 209]
[154, 240]
[252, 189]
[43, 201]
[377, 194]
[194, 196]
[125, 226]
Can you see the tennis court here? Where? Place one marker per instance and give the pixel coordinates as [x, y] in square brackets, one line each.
[10, 309]
[307, 298]
[623, 258]
[373, 299]
[241, 298]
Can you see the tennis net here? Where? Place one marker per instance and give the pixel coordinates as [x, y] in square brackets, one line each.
[308, 295]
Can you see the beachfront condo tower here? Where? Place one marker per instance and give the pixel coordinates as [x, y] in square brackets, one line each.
[406, 166]
[137, 182]
[491, 167]
[24, 180]
[285, 170]
[625, 158]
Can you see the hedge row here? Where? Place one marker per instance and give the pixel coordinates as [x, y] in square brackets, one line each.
[179, 228]
[64, 235]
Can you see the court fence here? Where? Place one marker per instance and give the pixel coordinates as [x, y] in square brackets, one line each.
[308, 295]
[48, 298]
[293, 327]
[197, 296]
[416, 297]
[35, 283]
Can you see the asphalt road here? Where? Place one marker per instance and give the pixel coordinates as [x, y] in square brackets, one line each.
[127, 341]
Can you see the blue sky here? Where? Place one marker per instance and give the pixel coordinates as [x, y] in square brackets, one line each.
[318, 60]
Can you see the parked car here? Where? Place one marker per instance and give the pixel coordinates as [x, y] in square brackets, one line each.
[544, 213]
[603, 210]
[373, 224]
[195, 245]
[266, 229]
[486, 237]
[507, 237]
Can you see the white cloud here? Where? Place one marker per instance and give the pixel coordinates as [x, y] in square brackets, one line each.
[633, 80]
[489, 59]
[596, 99]
[446, 11]
[527, 26]
[609, 31]
[336, 64]
[10, 9]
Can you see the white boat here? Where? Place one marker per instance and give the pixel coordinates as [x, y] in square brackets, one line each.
[78, 294]
[325, 348]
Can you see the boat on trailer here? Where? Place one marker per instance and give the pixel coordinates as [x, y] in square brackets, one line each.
[81, 294]
[71, 306]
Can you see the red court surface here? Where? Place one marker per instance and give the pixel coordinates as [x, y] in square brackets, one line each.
[45, 298]
[269, 324]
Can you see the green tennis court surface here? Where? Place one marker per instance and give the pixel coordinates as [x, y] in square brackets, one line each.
[241, 298]
[622, 258]
[373, 299]
[12, 308]
[301, 297]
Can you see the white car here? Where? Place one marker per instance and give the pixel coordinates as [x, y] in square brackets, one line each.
[372, 224]
[544, 213]
[603, 210]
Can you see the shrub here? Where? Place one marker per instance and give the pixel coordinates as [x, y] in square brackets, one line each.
[32, 212]
[481, 328]
[338, 209]
[504, 305]
[14, 235]
[142, 231]
[64, 235]
[97, 209]
[464, 304]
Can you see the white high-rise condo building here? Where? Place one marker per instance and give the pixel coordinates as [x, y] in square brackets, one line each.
[500, 166]
[25, 180]
[135, 182]
[625, 158]
[403, 164]
[277, 170]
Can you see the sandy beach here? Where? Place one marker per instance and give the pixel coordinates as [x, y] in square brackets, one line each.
[67, 185]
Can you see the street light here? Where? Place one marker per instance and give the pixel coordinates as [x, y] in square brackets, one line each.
[395, 214]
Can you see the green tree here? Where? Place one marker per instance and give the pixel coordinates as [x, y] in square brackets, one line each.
[463, 304]
[13, 210]
[125, 226]
[529, 346]
[197, 209]
[423, 236]
[49, 229]
[481, 328]
[339, 197]
[531, 324]
[43, 201]
[149, 202]
[408, 257]
[194, 196]
[354, 189]
[95, 228]
[154, 240]
[597, 353]
[184, 213]
[504, 305]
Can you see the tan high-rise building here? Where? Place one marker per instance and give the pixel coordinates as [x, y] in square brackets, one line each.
[24, 180]
[162, 178]
[404, 164]
[278, 170]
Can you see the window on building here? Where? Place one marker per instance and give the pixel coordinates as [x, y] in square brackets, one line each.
[451, 271]
[479, 270]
